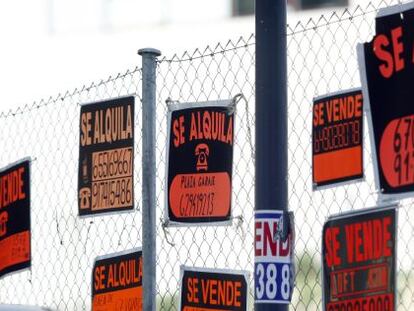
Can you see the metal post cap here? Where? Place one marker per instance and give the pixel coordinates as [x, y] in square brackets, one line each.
[155, 52]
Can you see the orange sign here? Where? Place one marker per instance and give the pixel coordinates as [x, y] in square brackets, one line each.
[200, 158]
[15, 217]
[337, 136]
[117, 282]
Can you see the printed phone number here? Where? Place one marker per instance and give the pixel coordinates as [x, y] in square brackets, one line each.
[112, 164]
[403, 147]
[196, 204]
[112, 193]
[337, 136]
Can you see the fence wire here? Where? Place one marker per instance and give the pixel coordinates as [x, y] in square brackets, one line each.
[321, 59]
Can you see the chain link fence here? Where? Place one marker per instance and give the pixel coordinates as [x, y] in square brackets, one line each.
[321, 59]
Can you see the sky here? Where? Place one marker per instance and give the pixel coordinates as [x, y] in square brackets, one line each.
[50, 46]
[46, 50]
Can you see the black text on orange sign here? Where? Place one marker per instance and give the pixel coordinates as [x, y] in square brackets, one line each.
[365, 241]
[338, 136]
[206, 125]
[214, 292]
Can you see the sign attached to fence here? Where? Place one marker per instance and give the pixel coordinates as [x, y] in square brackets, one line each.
[359, 258]
[200, 163]
[387, 71]
[213, 289]
[106, 157]
[15, 247]
[117, 282]
[337, 138]
[274, 257]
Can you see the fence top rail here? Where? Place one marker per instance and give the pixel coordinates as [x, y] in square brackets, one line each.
[211, 50]
[336, 17]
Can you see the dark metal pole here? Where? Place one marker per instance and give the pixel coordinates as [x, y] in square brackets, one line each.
[271, 113]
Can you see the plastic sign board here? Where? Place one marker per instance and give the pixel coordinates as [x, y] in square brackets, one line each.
[387, 71]
[359, 258]
[337, 138]
[273, 266]
[15, 247]
[117, 282]
[213, 289]
[200, 163]
[106, 157]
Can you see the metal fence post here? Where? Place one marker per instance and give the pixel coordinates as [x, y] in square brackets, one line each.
[271, 113]
[149, 65]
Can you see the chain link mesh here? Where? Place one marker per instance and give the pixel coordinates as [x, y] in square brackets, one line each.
[64, 246]
[321, 59]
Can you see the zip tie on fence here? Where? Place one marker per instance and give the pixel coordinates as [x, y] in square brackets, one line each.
[169, 101]
[87, 234]
[167, 234]
[33, 159]
[57, 228]
[120, 235]
[239, 224]
[236, 99]
[377, 192]
[30, 277]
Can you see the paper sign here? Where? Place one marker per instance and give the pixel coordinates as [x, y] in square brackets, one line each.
[273, 265]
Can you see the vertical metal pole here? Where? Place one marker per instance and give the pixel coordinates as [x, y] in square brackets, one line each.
[149, 65]
[271, 112]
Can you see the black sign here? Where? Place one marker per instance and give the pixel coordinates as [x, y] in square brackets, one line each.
[337, 136]
[359, 258]
[117, 282]
[387, 72]
[200, 162]
[106, 156]
[210, 289]
[15, 247]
